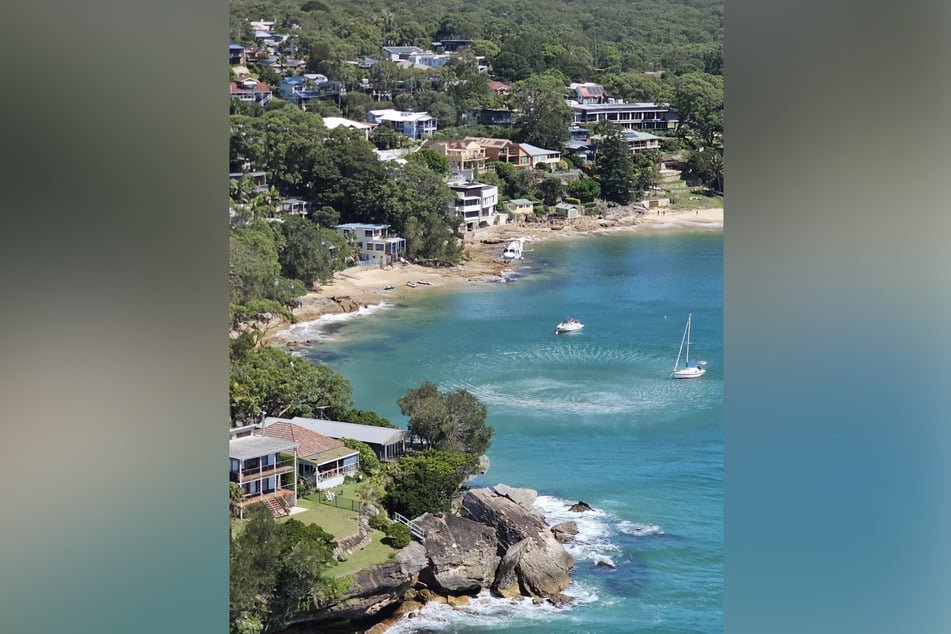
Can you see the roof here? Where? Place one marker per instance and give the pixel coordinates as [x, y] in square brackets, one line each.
[521, 202]
[331, 455]
[402, 50]
[257, 446]
[389, 114]
[364, 433]
[537, 151]
[640, 105]
[360, 225]
[333, 122]
[490, 142]
[310, 442]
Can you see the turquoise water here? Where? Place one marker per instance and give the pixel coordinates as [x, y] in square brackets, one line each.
[590, 416]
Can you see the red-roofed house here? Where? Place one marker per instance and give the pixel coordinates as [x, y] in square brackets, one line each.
[499, 87]
[325, 460]
[250, 89]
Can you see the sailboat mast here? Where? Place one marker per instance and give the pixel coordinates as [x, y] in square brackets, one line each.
[687, 358]
[682, 341]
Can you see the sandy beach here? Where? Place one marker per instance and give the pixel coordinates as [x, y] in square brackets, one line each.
[359, 287]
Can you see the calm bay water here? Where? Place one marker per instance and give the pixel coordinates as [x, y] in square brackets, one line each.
[588, 416]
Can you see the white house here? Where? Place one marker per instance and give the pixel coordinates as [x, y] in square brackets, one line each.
[335, 122]
[475, 204]
[633, 116]
[262, 468]
[415, 125]
[375, 243]
[539, 156]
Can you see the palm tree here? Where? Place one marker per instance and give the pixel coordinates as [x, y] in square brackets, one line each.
[235, 498]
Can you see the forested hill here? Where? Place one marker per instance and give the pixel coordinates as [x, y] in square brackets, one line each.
[582, 38]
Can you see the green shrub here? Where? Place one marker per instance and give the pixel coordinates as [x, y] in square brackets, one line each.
[397, 535]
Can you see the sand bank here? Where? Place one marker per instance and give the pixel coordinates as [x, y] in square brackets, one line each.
[361, 287]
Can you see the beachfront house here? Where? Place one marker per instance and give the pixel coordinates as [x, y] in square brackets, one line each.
[475, 204]
[375, 245]
[567, 211]
[322, 460]
[388, 443]
[520, 209]
[265, 470]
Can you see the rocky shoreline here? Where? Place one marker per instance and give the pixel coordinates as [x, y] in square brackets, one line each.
[503, 545]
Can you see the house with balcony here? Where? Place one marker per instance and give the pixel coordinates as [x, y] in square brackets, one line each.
[502, 150]
[258, 179]
[301, 90]
[388, 443]
[415, 125]
[520, 209]
[375, 244]
[251, 90]
[475, 204]
[538, 156]
[322, 460]
[632, 116]
[236, 54]
[462, 155]
[265, 469]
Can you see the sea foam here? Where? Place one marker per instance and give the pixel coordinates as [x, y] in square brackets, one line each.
[317, 329]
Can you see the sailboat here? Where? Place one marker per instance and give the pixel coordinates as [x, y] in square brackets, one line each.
[694, 371]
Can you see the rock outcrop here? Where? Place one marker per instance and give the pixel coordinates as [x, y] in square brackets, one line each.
[565, 532]
[462, 554]
[532, 555]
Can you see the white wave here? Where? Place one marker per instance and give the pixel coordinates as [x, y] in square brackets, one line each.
[640, 530]
[483, 611]
[595, 529]
[316, 329]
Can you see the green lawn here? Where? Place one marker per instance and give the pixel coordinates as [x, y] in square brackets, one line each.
[337, 522]
[684, 197]
[373, 553]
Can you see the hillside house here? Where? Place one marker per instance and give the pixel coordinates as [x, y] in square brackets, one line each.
[415, 125]
[323, 460]
[502, 150]
[540, 156]
[265, 470]
[633, 116]
[462, 155]
[388, 443]
[251, 90]
[567, 211]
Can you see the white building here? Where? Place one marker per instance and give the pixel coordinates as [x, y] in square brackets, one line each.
[475, 204]
[375, 243]
[415, 125]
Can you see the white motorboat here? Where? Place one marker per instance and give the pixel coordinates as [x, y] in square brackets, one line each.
[695, 371]
[513, 250]
[568, 324]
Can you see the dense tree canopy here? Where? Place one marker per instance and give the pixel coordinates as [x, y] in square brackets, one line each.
[272, 381]
[428, 482]
[447, 421]
[615, 167]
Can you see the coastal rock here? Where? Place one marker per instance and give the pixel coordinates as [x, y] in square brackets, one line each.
[565, 532]
[347, 304]
[522, 497]
[580, 507]
[506, 580]
[541, 564]
[462, 554]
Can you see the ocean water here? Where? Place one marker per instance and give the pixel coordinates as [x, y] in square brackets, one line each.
[589, 416]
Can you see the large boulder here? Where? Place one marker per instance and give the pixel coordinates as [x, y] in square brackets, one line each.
[462, 554]
[522, 497]
[541, 564]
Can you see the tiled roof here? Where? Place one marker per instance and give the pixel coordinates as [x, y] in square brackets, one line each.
[310, 442]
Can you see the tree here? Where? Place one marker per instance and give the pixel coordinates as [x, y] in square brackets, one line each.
[428, 482]
[369, 463]
[551, 190]
[235, 498]
[311, 252]
[272, 381]
[698, 101]
[543, 115]
[615, 167]
[705, 166]
[432, 160]
[450, 421]
[585, 189]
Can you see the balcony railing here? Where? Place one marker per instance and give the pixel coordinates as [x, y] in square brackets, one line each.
[264, 471]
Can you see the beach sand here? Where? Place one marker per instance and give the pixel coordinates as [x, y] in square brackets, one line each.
[358, 287]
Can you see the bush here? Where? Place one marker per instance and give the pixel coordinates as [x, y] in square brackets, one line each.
[397, 535]
[379, 522]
